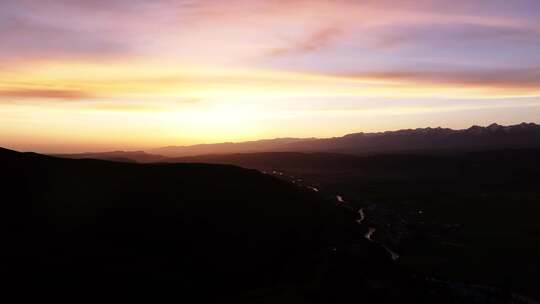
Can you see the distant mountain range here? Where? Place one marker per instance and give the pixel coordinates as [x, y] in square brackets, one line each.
[475, 138]
[264, 145]
[417, 141]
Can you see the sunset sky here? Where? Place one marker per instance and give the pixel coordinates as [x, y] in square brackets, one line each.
[94, 75]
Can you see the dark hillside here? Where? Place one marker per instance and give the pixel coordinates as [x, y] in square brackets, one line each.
[191, 231]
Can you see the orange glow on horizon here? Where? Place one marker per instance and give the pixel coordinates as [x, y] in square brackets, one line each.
[210, 71]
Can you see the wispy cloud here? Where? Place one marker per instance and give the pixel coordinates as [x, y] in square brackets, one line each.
[27, 37]
[448, 35]
[316, 41]
[524, 79]
[28, 93]
[146, 64]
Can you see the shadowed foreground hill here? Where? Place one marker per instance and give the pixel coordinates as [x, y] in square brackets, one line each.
[191, 231]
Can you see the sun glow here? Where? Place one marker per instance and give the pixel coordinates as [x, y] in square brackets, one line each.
[205, 72]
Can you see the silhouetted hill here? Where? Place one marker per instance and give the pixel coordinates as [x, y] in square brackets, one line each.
[525, 135]
[192, 232]
[118, 156]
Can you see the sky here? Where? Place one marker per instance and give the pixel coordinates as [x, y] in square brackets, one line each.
[79, 75]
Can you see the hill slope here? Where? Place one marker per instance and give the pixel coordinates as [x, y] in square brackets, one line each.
[190, 231]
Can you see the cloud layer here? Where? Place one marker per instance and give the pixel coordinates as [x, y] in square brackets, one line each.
[252, 64]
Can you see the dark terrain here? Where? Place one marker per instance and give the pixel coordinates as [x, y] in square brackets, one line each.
[442, 216]
[466, 217]
[80, 229]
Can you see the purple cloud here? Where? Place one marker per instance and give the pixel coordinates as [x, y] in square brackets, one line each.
[390, 37]
[316, 41]
[516, 78]
[27, 93]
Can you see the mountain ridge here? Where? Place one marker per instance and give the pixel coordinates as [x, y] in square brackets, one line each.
[416, 141]
[524, 135]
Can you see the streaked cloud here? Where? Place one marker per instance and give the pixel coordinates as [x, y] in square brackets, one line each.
[516, 78]
[50, 35]
[316, 41]
[27, 93]
[452, 35]
[241, 69]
